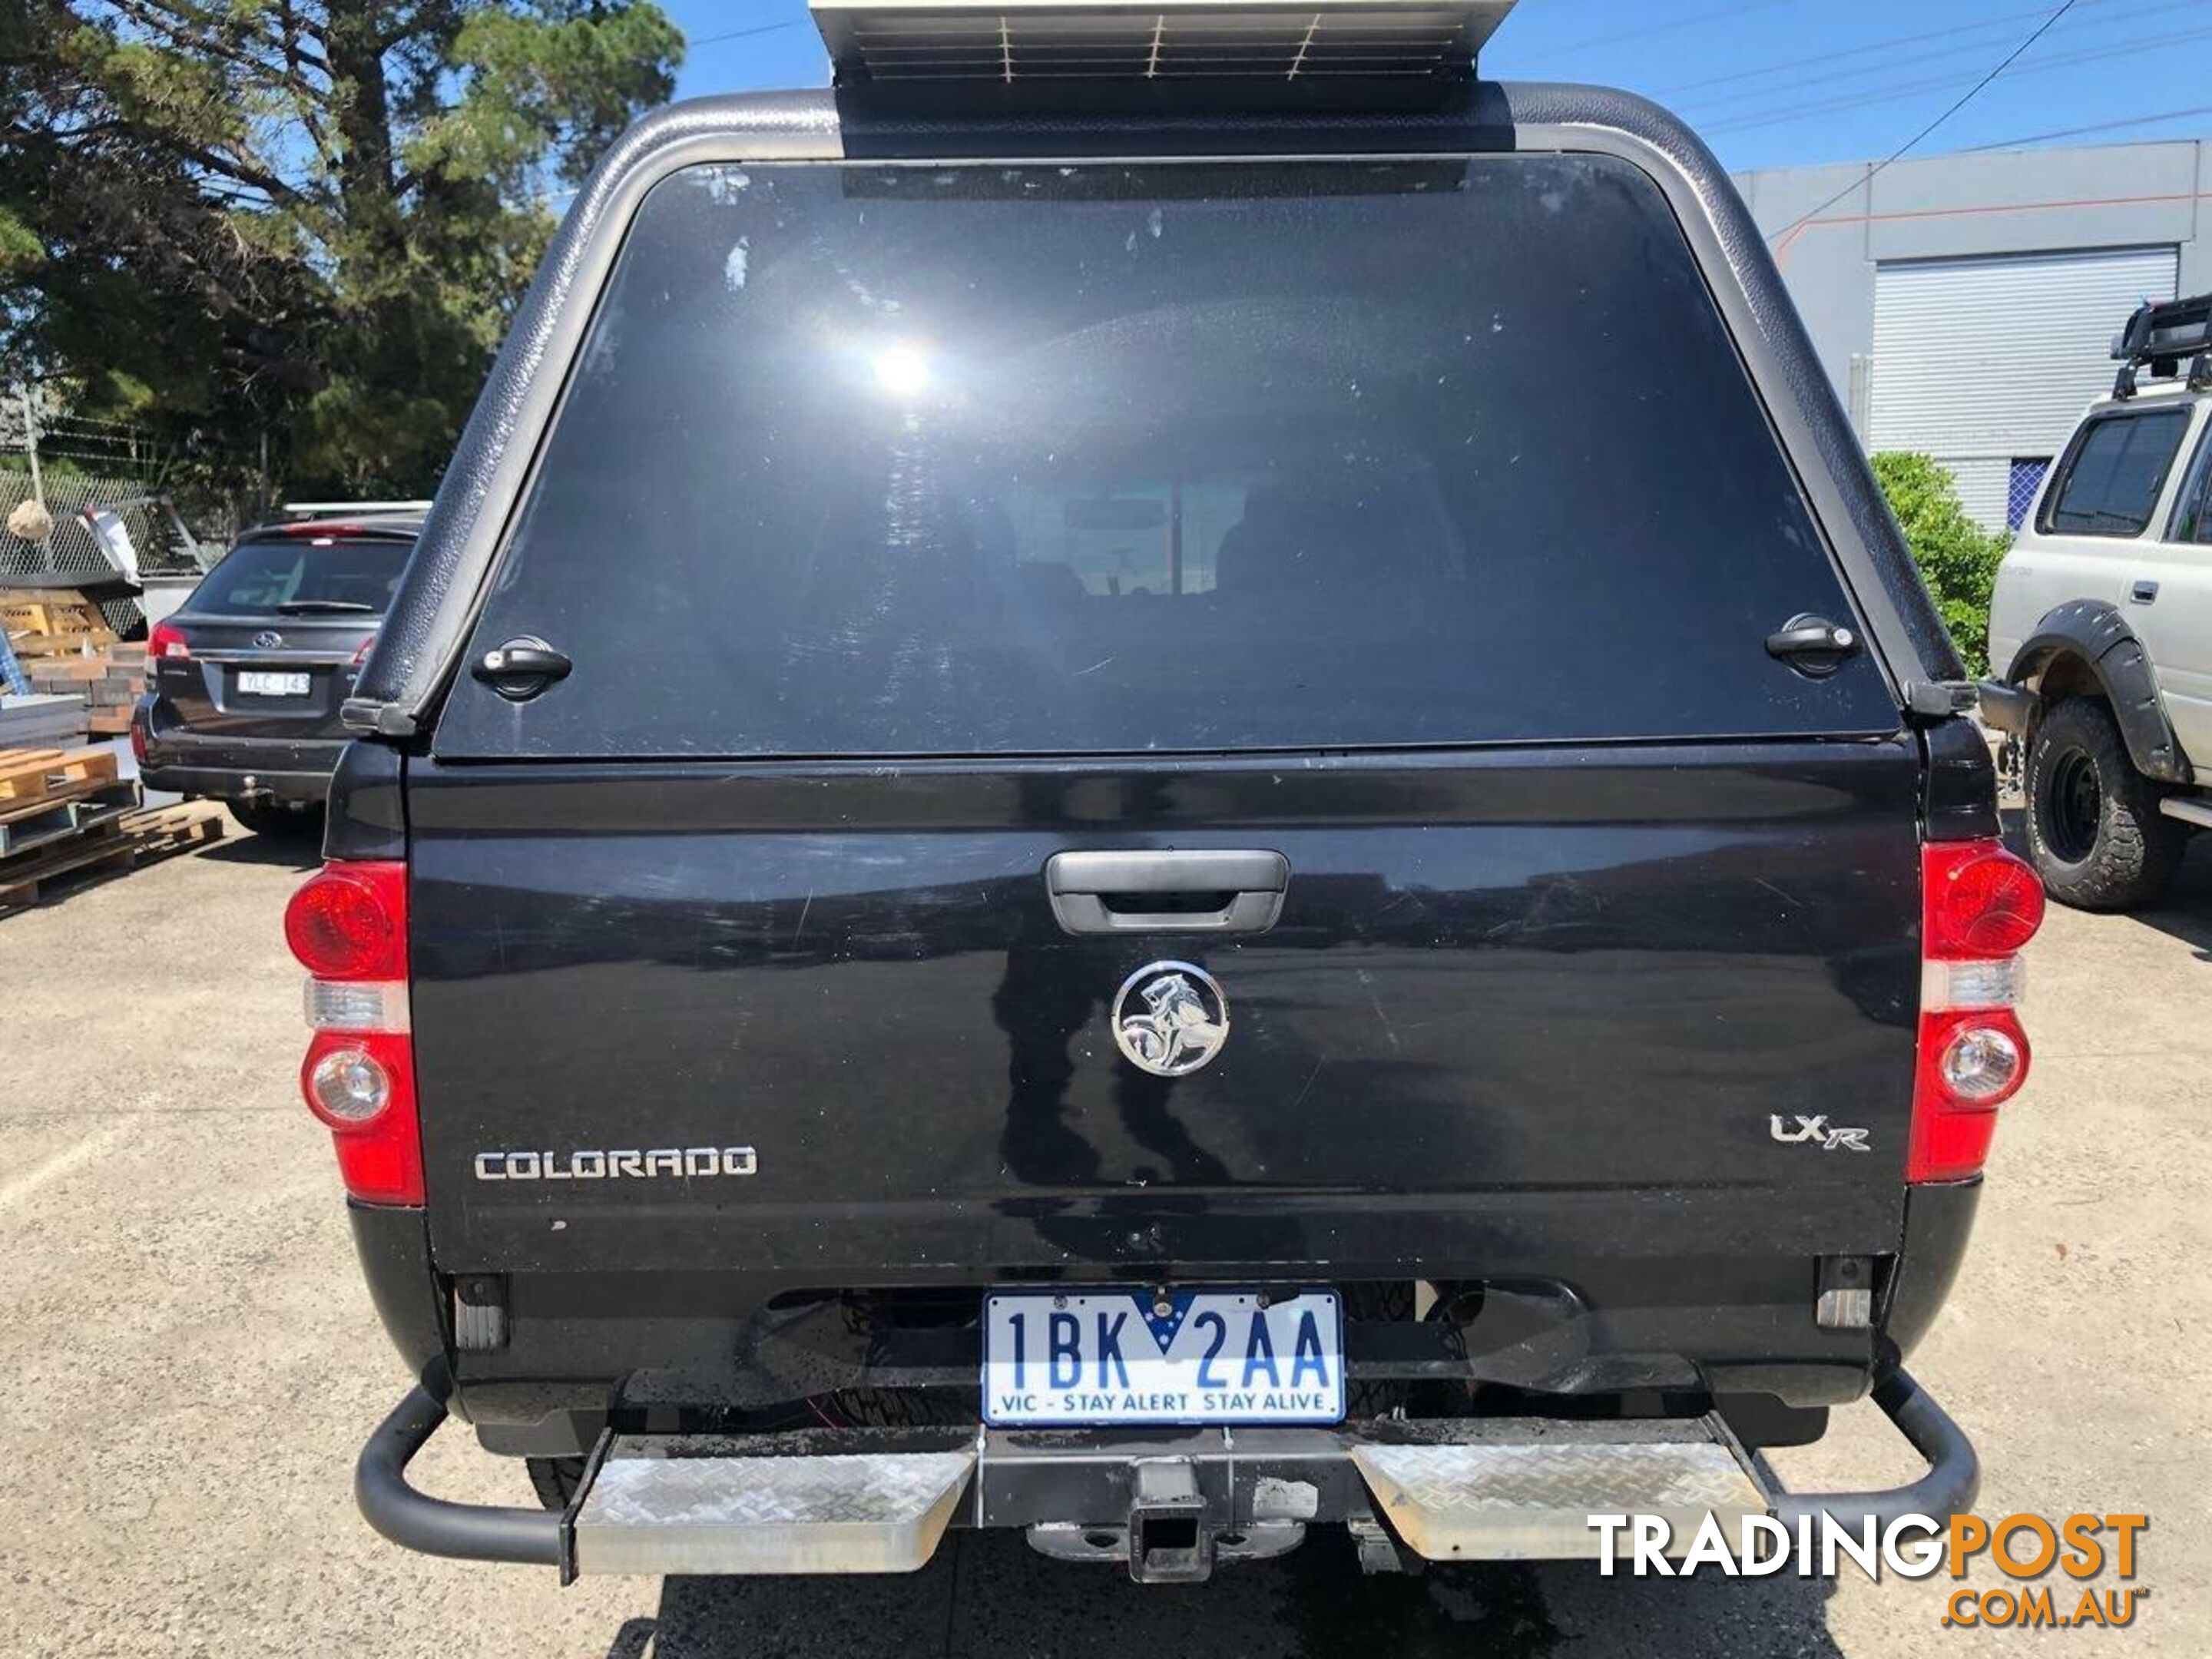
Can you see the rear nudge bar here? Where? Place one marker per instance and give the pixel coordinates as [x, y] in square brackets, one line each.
[1954, 1479]
[1169, 1505]
[467, 1532]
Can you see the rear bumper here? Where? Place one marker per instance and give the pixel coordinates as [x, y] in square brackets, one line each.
[1169, 1503]
[235, 769]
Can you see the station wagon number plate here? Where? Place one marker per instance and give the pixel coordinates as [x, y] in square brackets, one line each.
[256, 682]
[1112, 1357]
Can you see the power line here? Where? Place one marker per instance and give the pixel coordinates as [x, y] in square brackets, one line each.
[1821, 58]
[2099, 126]
[1830, 75]
[1672, 26]
[1783, 114]
[740, 35]
[1965, 98]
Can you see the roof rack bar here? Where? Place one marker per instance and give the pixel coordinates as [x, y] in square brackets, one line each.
[2158, 335]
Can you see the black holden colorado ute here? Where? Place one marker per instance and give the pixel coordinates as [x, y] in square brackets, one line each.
[1161, 817]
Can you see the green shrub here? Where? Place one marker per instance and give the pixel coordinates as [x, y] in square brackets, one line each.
[1958, 558]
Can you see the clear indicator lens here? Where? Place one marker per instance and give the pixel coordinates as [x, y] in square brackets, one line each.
[1998, 984]
[1980, 1063]
[356, 1005]
[349, 1085]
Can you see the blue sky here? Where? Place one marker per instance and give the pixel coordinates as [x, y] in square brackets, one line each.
[1769, 82]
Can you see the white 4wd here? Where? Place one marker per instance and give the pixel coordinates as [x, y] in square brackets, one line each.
[2100, 628]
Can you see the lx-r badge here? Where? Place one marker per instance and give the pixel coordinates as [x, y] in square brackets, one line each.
[1817, 1129]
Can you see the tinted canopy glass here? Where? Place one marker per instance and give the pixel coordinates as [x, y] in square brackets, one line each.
[864, 460]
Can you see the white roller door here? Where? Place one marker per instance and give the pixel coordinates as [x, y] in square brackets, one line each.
[1981, 361]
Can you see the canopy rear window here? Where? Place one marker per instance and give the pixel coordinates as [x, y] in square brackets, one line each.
[869, 460]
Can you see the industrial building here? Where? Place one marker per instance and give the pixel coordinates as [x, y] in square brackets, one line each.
[1965, 306]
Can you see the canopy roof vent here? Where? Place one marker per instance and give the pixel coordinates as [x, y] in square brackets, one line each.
[1111, 40]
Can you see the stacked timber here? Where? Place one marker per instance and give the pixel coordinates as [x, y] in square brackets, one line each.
[83, 679]
[104, 683]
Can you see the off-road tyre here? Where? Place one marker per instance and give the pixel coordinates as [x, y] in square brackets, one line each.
[2095, 832]
[555, 1479]
[903, 1408]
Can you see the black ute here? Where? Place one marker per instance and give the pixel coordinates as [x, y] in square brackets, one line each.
[1415, 564]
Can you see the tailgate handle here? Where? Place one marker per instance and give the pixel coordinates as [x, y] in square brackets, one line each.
[1194, 892]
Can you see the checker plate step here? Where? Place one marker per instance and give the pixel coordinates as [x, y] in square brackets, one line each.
[866, 1512]
[1533, 1502]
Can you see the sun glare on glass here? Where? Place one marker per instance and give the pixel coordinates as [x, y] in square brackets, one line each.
[902, 370]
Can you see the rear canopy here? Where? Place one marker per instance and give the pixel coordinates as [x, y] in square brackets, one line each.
[1110, 40]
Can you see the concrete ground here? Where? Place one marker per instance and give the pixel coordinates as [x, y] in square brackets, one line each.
[190, 1363]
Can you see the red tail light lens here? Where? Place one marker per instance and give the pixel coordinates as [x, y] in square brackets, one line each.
[165, 642]
[1979, 906]
[362, 655]
[348, 926]
[1980, 900]
[349, 922]
[138, 737]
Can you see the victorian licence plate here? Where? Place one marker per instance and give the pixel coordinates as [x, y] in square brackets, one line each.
[1108, 1356]
[255, 682]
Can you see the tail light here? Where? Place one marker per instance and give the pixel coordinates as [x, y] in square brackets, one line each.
[362, 655]
[165, 642]
[1979, 906]
[138, 736]
[348, 926]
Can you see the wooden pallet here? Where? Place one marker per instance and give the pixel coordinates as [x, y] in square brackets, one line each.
[31, 648]
[112, 845]
[23, 828]
[36, 618]
[101, 847]
[41, 775]
[160, 831]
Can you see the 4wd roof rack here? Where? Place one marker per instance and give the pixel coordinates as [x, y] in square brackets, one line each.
[2158, 335]
[1010, 41]
[340, 509]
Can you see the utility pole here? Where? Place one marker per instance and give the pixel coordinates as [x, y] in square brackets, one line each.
[31, 445]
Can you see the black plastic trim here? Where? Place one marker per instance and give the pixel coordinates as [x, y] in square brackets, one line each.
[465, 1532]
[2094, 631]
[1959, 785]
[368, 817]
[1949, 1487]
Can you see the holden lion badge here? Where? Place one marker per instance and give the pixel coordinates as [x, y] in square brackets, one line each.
[1170, 1018]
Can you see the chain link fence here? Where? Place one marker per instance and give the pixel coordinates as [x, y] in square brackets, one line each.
[71, 550]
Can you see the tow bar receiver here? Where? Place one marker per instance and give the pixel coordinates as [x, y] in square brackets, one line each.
[1170, 1504]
